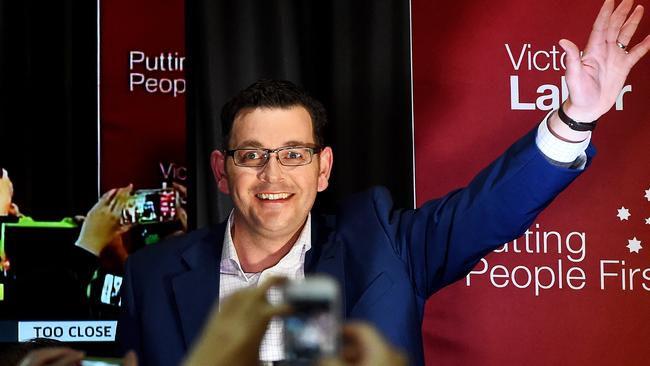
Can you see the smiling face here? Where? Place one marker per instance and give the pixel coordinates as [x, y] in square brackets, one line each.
[272, 201]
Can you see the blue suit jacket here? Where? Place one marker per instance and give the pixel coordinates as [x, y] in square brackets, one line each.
[387, 260]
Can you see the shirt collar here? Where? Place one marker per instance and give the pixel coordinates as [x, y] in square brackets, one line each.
[294, 259]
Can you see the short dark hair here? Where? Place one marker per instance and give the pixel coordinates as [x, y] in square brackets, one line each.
[267, 93]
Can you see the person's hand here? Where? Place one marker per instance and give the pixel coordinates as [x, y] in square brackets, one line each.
[596, 78]
[52, 356]
[102, 223]
[14, 211]
[237, 326]
[130, 359]
[365, 347]
[63, 356]
[180, 209]
[6, 192]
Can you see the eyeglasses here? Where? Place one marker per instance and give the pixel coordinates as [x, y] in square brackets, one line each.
[287, 156]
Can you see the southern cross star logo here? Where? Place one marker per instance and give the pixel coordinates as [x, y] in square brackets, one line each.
[623, 213]
[634, 245]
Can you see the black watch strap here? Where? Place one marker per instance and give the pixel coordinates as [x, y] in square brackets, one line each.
[576, 126]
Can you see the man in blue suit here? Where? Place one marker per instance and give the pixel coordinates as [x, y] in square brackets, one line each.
[388, 261]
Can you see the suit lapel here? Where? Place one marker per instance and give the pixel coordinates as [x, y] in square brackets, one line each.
[326, 254]
[197, 289]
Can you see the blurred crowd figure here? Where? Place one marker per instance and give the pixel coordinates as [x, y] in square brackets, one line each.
[238, 326]
[74, 285]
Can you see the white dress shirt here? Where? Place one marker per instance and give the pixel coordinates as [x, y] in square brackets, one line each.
[233, 278]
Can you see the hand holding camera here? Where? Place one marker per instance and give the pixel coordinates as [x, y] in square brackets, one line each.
[102, 223]
[237, 325]
[311, 317]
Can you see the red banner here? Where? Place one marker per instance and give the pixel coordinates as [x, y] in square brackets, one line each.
[142, 92]
[575, 288]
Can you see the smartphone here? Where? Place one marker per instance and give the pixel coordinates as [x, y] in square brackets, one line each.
[149, 206]
[312, 330]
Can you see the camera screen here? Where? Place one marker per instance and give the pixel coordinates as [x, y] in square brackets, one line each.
[311, 330]
[150, 206]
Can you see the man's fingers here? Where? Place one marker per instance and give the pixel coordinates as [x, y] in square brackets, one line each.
[638, 51]
[182, 190]
[617, 19]
[572, 61]
[14, 210]
[270, 282]
[361, 331]
[365, 338]
[124, 192]
[108, 196]
[277, 310]
[130, 359]
[124, 228]
[71, 359]
[330, 361]
[625, 36]
[371, 347]
[46, 356]
[601, 23]
[120, 199]
[181, 214]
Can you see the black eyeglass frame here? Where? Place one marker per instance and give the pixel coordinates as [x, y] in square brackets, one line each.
[313, 150]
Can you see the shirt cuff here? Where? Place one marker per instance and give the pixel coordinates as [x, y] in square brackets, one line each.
[563, 153]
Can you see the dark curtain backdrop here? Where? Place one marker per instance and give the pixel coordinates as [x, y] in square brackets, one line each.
[352, 55]
[48, 98]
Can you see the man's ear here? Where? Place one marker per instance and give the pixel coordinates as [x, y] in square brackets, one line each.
[218, 164]
[326, 159]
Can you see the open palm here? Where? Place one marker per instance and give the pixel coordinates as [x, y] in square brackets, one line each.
[596, 77]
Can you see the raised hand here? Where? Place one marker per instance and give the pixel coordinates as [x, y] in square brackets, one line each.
[596, 78]
[102, 224]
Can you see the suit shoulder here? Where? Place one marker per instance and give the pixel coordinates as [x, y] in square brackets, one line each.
[376, 201]
[371, 196]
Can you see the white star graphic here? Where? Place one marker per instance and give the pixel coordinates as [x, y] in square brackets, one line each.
[647, 194]
[634, 245]
[647, 221]
[623, 213]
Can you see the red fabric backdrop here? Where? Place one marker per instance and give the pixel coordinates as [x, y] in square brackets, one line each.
[464, 117]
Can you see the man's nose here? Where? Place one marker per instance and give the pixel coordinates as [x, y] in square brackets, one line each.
[272, 171]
